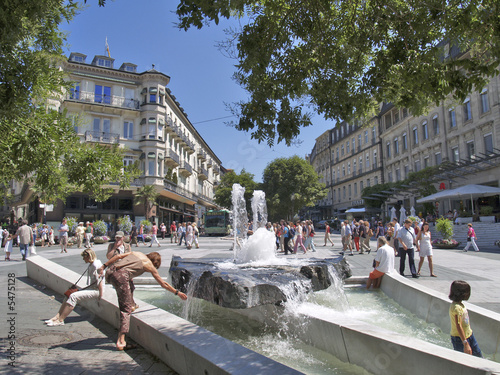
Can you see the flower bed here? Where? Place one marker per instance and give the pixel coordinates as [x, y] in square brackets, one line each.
[445, 244]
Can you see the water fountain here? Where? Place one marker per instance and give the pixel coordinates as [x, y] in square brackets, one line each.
[255, 276]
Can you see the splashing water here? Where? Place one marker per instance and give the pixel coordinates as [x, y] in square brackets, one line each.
[259, 209]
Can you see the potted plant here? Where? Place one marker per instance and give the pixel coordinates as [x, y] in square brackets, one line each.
[445, 227]
[100, 231]
[486, 214]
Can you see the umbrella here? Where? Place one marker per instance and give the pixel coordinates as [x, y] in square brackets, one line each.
[467, 191]
[393, 213]
[402, 215]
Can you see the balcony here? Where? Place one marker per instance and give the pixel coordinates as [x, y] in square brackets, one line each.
[111, 100]
[185, 169]
[172, 159]
[216, 170]
[209, 164]
[178, 190]
[102, 137]
[170, 127]
[202, 155]
[202, 173]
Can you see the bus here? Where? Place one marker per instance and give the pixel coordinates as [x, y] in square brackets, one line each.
[217, 222]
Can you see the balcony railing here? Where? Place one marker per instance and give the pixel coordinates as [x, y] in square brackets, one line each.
[101, 137]
[178, 190]
[171, 158]
[185, 169]
[202, 155]
[202, 173]
[216, 169]
[113, 100]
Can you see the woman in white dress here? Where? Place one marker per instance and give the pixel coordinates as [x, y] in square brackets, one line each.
[424, 247]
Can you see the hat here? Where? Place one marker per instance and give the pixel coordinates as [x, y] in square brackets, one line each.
[119, 234]
[88, 222]
[80, 223]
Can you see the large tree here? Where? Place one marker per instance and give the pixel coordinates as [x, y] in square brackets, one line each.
[146, 195]
[290, 184]
[38, 144]
[341, 58]
[223, 192]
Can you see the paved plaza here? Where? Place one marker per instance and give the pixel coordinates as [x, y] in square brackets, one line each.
[86, 344]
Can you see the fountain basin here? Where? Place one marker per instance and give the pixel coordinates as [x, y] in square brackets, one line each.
[248, 285]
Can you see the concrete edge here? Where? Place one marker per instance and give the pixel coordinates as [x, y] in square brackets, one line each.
[183, 346]
[433, 307]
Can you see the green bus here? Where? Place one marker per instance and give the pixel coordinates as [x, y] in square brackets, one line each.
[217, 222]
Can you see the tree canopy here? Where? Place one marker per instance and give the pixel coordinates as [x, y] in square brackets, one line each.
[223, 192]
[290, 184]
[342, 58]
[39, 144]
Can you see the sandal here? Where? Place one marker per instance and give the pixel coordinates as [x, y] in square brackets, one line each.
[433, 275]
[127, 346]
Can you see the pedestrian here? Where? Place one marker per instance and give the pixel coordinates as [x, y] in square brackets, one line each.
[282, 235]
[80, 233]
[298, 239]
[122, 269]
[327, 234]
[397, 228]
[384, 263]
[140, 236]
[94, 289]
[196, 234]
[380, 231]
[292, 232]
[462, 337]
[390, 236]
[163, 229]
[471, 238]
[181, 233]
[189, 236]
[309, 236]
[25, 235]
[89, 231]
[424, 247]
[173, 232]
[355, 235]
[51, 236]
[287, 233]
[154, 235]
[133, 235]
[63, 236]
[7, 243]
[119, 246]
[407, 242]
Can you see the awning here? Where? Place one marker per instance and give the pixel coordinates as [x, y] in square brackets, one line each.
[162, 91]
[152, 120]
[151, 155]
[153, 90]
[355, 210]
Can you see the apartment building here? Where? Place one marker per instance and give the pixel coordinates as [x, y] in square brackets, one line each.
[138, 112]
[462, 138]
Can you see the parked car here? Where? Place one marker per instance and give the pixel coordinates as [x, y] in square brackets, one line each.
[321, 224]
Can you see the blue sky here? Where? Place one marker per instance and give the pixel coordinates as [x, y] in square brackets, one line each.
[143, 33]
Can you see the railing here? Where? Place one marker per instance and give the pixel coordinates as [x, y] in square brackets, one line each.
[185, 166]
[113, 100]
[202, 155]
[216, 169]
[172, 155]
[178, 190]
[202, 173]
[101, 137]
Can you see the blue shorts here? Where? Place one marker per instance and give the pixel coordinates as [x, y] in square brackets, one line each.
[458, 345]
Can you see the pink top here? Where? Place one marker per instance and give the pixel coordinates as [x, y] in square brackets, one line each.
[154, 230]
[471, 232]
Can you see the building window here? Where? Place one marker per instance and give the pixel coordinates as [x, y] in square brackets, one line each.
[353, 144]
[106, 125]
[415, 136]
[343, 189]
[349, 191]
[354, 166]
[398, 174]
[437, 158]
[488, 144]
[389, 176]
[396, 117]
[426, 162]
[425, 130]
[151, 167]
[405, 142]
[102, 94]
[471, 151]
[342, 150]
[360, 164]
[374, 134]
[75, 91]
[453, 118]
[435, 125]
[375, 159]
[375, 180]
[355, 189]
[152, 98]
[334, 195]
[343, 170]
[128, 160]
[368, 184]
[348, 168]
[405, 113]
[407, 171]
[348, 147]
[455, 156]
[359, 142]
[338, 193]
[367, 161]
[366, 136]
[388, 149]
[417, 165]
[128, 130]
[485, 104]
[388, 121]
[103, 62]
[333, 178]
[360, 186]
[467, 110]
[396, 146]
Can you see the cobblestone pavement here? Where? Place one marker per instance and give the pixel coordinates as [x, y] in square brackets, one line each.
[85, 344]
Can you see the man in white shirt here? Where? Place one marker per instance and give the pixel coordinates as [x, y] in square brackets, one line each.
[384, 263]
